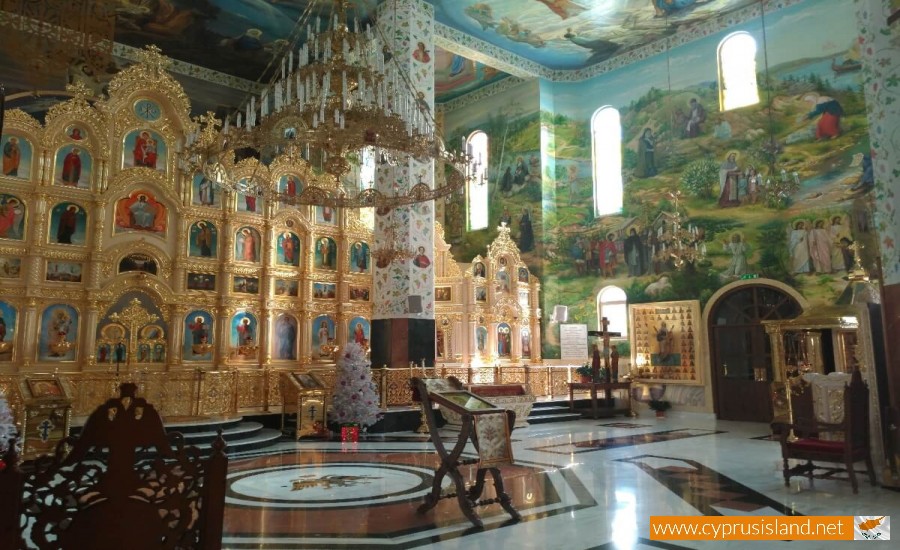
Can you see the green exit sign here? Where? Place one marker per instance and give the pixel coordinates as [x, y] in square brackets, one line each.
[749, 276]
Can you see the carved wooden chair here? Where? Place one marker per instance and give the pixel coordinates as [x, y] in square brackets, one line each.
[123, 483]
[803, 438]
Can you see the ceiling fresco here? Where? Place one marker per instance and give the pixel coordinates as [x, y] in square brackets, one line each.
[455, 75]
[572, 34]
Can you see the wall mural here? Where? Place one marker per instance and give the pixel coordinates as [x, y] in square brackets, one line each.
[141, 211]
[68, 224]
[455, 75]
[58, 336]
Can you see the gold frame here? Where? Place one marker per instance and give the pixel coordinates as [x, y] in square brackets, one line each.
[645, 320]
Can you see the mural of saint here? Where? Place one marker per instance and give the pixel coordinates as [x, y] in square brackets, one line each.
[421, 259]
[798, 246]
[140, 211]
[75, 133]
[359, 257]
[322, 335]
[8, 316]
[12, 217]
[326, 253]
[204, 192]
[284, 343]
[16, 157]
[288, 249]
[729, 174]
[58, 333]
[243, 330]
[246, 245]
[203, 239]
[421, 54]
[359, 331]
[290, 185]
[145, 148]
[73, 167]
[68, 224]
[198, 336]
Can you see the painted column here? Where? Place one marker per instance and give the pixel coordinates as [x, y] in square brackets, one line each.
[403, 330]
[881, 79]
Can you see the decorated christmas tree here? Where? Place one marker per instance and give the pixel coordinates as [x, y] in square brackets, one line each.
[7, 427]
[355, 396]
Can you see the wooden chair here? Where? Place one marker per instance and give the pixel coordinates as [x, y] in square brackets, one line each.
[807, 443]
[123, 483]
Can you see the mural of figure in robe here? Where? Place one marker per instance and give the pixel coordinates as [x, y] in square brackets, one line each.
[140, 211]
[646, 161]
[829, 112]
[739, 250]
[820, 247]
[729, 174]
[504, 340]
[286, 337]
[12, 217]
[798, 246]
[634, 254]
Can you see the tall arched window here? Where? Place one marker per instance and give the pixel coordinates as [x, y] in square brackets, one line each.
[367, 181]
[477, 147]
[737, 71]
[612, 303]
[606, 143]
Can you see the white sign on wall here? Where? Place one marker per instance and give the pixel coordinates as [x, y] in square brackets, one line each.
[573, 341]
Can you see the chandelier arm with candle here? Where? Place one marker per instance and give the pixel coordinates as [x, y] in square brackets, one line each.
[680, 241]
[338, 93]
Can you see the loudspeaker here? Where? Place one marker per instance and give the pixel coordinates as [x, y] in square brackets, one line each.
[560, 314]
[414, 303]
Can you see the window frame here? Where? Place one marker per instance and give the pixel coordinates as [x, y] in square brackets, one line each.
[601, 183]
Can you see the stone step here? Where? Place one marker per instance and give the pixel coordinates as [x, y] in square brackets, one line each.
[243, 430]
[557, 417]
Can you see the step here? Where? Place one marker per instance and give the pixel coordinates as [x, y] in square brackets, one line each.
[265, 437]
[201, 424]
[548, 418]
[544, 411]
[244, 430]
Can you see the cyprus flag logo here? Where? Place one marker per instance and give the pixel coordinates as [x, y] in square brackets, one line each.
[871, 527]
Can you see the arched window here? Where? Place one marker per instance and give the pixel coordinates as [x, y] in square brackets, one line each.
[367, 181]
[477, 147]
[737, 71]
[612, 303]
[606, 143]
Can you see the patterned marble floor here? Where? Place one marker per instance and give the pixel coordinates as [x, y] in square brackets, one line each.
[578, 485]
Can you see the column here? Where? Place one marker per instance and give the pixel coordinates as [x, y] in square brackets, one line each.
[176, 334]
[89, 334]
[403, 321]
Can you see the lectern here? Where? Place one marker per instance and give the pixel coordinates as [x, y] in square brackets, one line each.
[486, 426]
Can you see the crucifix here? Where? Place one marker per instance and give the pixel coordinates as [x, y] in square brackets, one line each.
[133, 317]
[605, 334]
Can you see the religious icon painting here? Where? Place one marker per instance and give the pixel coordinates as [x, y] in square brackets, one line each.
[480, 294]
[63, 272]
[203, 240]
[17, 156]
[442, 294]
[290, 185]
[523, 298]
[478, 270]
[245, 285]
[323, 335]
[76, 133]
[8, 318]
[73, 167]
[502, 281]
[324, 291]
[204, 192]
[504, 340]
[58, 339]
[481, 337]
[142, 263]
[12, 217]
[68, 224]
[359, 293]
[287, 251]
[147, 109]
[358, 331]
[525, 335]
[246, 244]
[198, 336]
[140, 211]
[144, 148]
[10, 268]
[243, 335]
[284, 341]
[325, 253]
[664, 343]
[287, 287]
[248, 200]
[326, 215]
[201, 281]
[360, 257]
[523, 275]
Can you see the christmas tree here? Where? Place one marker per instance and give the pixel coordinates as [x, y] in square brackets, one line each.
[7, 426]
[355, 396]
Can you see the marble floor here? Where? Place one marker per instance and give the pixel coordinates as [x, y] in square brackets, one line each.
[585, 484]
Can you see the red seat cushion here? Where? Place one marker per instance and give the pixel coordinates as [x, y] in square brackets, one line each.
[497, 390]
[817, 445]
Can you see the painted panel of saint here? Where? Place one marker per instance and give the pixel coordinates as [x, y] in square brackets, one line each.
[358, 332]
[287, 251]
[359, 258]
[73, 167]
[526, 342]
[140, 211]
[290, 185]
[322, 335]
[12, 217]
[243, 332]
[68, 224]
[8, 317]
[504, 340]
[17, 153]
[58, 340]
[246, 244]
[205, 193]
[326, 253]
[284, 343]
[326, 215]
[76, 133]
[203, 241]
[144, 148]
[248, 202]
[199, 336]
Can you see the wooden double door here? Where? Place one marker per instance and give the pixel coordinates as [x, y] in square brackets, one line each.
[740, 352]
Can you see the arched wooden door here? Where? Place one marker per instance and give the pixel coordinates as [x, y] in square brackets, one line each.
[741, 357]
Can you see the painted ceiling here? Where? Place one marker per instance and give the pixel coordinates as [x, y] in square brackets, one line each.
[240, 38]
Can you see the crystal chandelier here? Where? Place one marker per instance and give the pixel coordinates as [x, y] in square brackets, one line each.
[390, 249]
[340, 93]
[680, 241]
